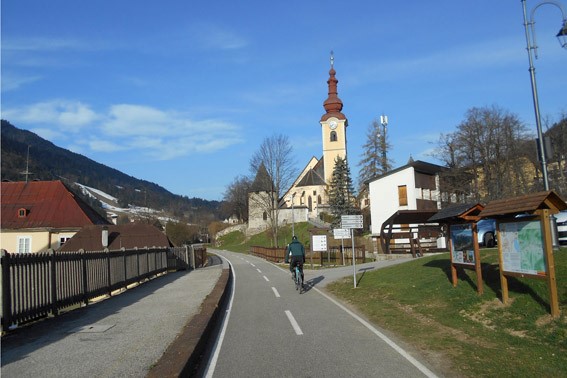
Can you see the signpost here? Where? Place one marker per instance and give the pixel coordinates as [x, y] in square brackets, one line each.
[351, 222]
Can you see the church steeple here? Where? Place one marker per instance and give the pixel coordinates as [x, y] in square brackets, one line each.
[333, 104]
[333, 126]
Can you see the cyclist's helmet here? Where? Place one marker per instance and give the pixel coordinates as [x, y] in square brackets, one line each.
[294, 237]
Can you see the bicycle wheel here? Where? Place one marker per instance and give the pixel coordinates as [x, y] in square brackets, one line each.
[297, 278]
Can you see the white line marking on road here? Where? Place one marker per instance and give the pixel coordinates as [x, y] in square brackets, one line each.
[218, 344]
[385, 338]
[253, 265]
[259, 271]
[275, 292]
[266, 278]
[293, 323]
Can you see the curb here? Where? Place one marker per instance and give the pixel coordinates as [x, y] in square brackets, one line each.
[185, 356]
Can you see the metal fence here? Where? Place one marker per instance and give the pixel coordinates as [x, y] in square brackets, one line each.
[41, 284]
[334, 256]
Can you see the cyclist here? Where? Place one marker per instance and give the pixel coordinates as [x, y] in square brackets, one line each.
[295, 254]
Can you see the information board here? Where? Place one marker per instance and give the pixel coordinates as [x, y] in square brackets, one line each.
[462, 248]
[319, 243]
[522, 248]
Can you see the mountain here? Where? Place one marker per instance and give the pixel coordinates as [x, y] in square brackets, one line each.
[50, 162]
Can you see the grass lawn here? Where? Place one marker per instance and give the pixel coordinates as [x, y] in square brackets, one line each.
[460, 332]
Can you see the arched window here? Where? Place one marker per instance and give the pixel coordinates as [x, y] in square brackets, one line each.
[310, 204]
[318, 200]
[265, 215]
[333, 136]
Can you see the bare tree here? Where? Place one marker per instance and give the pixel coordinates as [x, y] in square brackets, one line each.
[487, 155]
[557, 135]
[236, 197]
[275, 157]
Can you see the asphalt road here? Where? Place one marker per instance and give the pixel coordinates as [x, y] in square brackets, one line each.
[271, 330]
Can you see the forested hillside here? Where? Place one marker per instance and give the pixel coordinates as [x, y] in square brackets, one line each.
[50, 162]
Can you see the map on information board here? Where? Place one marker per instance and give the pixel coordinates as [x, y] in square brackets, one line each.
[522, 247]
[462, 251]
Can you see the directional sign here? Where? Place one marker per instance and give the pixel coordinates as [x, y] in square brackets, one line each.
[351, 221]
[341, 233]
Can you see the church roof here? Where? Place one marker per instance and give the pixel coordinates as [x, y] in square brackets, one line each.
[262, 181]
[314, 176]
[333, 104]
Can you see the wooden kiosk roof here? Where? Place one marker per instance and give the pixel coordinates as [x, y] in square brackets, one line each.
[524, 204]
[457, 212]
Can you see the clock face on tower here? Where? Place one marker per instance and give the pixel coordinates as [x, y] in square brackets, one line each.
[333, 125]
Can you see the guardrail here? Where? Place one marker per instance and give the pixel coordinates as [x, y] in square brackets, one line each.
[41, 284]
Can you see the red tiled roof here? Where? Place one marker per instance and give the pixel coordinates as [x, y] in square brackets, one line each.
[129, 236]
[45, 204]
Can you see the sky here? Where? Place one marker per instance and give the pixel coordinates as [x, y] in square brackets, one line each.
[182, 93]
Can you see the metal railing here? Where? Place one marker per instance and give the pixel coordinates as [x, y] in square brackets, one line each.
[41, 284]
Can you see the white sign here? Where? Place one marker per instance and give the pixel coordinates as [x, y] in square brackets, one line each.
[319, 243]
[351, 221]
[341, 233]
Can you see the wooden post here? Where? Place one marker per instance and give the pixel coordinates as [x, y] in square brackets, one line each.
[477, 265]
[6, 290]
[53, 281]
[503, 279]
[85, 278]
[109, 278]
[453, 268]
[548, 250]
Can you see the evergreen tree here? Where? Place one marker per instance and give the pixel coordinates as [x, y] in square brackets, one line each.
[341, 192]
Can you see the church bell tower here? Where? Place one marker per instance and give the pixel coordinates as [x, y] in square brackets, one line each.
[333, 126]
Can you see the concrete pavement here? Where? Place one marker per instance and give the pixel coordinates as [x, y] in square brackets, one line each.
[156, 329]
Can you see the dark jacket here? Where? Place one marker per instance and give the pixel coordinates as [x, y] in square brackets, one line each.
[296, 249]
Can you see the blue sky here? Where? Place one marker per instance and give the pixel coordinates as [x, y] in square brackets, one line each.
[181, 93]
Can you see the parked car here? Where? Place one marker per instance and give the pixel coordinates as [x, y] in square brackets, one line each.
[486, 232]
[562, 226]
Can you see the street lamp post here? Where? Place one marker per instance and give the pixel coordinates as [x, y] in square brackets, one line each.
[532, 46]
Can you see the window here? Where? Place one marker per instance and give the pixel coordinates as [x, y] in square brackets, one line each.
[333, 136]
[265, 216]
[63, 239]
[24, 244]
[403, 195]
[22, 213]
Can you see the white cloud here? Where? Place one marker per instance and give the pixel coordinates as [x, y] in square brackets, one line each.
[65, 115]
[12, 82]
[40, 44]
[105, 145]
[149, 131]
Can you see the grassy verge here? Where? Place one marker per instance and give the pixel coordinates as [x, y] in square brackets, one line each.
[460, 332]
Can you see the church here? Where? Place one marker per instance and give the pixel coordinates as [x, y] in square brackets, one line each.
[308, 196]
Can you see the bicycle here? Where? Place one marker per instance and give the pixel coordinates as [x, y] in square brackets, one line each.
[298, 278]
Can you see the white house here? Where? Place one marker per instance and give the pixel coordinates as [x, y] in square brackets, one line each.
[414, 186]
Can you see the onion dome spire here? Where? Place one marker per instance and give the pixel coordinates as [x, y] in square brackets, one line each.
[333, 104]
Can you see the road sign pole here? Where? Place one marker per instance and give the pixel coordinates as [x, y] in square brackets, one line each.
[353, 257]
